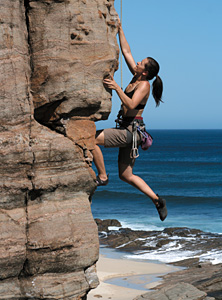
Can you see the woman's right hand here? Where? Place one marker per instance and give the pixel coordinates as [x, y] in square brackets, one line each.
[110, 83]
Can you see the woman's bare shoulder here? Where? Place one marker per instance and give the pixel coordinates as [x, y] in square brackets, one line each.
[143, 85]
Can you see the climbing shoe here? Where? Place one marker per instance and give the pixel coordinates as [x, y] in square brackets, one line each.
[161, 208]
[102, 182]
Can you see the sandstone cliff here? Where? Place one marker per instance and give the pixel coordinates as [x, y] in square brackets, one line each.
[54, 55]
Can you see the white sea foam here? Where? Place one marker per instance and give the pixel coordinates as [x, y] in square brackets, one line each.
[173, 252]
[163, 234]
[214, 256]
[143, 239]
[150, 244]
[113, 228]
[104, 233]
[170, 252]
[137, 226]
[165, 256]
[171, 246]
[175, 237]
[123, 245]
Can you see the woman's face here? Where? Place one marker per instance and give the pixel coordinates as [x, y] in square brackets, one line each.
[140, 66]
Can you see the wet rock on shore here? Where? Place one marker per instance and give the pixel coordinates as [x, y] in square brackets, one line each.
[201, 279]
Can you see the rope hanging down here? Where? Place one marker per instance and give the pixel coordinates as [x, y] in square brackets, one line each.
[121, 55]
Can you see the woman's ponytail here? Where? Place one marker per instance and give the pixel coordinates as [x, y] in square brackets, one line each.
[152, 67]
[157, 90]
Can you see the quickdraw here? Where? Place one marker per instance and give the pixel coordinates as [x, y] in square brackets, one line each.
[137, 126]
[134, 151]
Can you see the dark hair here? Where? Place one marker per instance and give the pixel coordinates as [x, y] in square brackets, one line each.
[152, 67]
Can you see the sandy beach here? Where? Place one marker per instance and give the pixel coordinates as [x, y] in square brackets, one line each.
[128, 271]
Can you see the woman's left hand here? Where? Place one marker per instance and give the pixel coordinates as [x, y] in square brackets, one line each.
[110, 83]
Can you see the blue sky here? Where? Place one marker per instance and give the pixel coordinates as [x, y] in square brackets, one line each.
[185, 37]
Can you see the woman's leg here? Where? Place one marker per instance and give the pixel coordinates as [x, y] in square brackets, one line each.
[98, 157]
[126, 174]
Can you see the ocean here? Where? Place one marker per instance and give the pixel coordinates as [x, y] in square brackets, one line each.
[182, 166]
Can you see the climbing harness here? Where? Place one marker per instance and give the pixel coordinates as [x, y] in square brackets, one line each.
[138, 126]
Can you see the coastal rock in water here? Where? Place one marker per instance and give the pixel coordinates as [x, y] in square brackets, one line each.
[193, 241]
[54, 55]
[104, 225]
[205, 276]
[180, 291]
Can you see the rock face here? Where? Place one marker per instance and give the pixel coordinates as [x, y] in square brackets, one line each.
[202, 281]
[179, 291]
[204, 276]
[54, 55]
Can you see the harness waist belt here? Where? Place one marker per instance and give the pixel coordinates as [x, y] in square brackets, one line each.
[130, 119]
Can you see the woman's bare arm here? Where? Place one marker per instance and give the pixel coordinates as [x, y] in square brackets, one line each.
[141, 92]
[125, 48]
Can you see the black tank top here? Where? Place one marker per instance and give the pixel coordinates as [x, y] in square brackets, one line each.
[130, 95]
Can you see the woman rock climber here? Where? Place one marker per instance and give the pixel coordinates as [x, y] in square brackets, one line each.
[133, 101]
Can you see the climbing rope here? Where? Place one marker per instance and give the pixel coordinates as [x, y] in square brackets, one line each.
[121, 55]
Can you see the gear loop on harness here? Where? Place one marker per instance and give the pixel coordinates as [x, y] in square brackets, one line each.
[138, 126]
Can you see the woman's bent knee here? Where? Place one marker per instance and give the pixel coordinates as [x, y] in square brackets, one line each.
[122, 177]
[125, 172]
[125, 177]
[99, 140]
